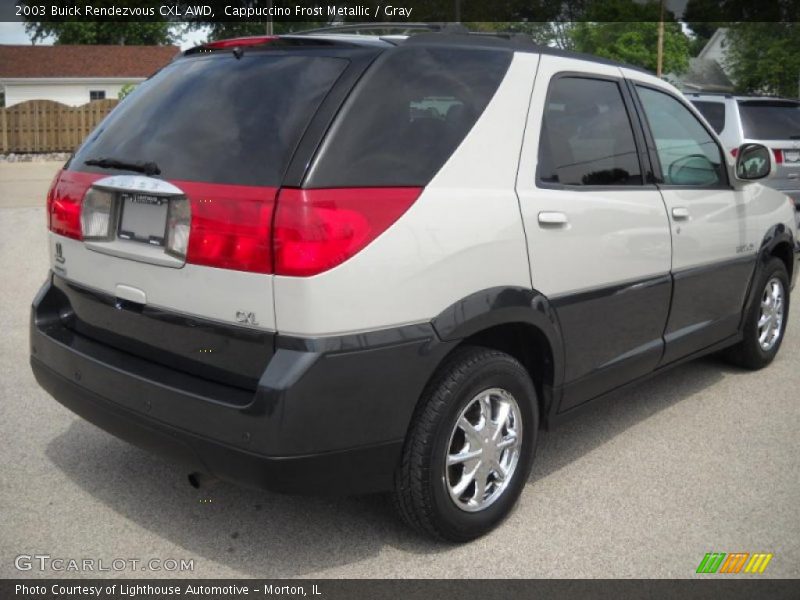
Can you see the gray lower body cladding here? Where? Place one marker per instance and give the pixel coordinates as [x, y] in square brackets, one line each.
[327, 415]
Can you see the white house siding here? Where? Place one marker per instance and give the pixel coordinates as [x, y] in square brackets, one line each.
[72, 93]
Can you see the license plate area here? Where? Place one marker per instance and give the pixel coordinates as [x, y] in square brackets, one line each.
[791, 156]
[143, 218]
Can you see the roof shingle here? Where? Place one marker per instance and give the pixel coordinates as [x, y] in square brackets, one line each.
[83, 61]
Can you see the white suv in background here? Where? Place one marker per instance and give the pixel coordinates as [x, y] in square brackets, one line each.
[773, 122]
[353, 264]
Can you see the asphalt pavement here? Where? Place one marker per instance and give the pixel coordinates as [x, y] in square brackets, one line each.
[704, 458]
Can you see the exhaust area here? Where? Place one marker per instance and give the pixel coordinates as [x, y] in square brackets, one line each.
[201, 480]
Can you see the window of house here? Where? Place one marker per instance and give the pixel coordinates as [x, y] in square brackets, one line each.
[97, 95]
[586, 136]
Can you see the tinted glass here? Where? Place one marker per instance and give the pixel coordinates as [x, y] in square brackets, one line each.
[686, 151]
[586, 135]
[714, 112]
[407, 116]
[217, 119]
[770, 120]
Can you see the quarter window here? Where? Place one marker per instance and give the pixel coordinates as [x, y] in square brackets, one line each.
[586, 135]
[714, 112]
[687, 152]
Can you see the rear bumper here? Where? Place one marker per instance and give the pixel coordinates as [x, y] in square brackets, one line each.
[328, 416]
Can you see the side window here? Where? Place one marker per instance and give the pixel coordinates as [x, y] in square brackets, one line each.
[586, 135]
[714, 112]
[407, 116]
[686, 151]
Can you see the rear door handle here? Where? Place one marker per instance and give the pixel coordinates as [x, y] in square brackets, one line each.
[552, 218]
[680, 213]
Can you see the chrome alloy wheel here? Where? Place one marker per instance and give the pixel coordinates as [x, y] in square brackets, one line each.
[484, 450]
[770, 321]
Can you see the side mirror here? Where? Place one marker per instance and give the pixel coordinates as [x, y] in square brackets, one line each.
[753, 161]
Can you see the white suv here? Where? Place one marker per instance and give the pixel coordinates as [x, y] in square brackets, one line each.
[773, 122]
[352, 264]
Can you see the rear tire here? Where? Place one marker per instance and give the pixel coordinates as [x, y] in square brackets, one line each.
[765, 319]
[470, 446]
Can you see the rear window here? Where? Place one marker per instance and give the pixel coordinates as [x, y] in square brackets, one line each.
[770, 120]
[217, 119]
[407, 116]
[714, 112]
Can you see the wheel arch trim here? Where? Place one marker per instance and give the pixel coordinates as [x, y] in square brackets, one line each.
[503, 305]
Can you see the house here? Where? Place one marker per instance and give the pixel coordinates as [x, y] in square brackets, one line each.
[75, 75]
[707, 72]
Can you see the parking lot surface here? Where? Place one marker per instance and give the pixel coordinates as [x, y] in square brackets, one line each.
[704, 458]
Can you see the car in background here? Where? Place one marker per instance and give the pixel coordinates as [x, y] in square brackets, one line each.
[773, 122]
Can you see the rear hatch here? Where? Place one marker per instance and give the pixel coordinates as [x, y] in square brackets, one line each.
[776, 124]
[160, 223]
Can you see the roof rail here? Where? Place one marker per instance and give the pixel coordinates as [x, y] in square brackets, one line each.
[387, 27]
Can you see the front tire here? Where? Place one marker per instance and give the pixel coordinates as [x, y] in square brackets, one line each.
[765, 320]
[470, 446]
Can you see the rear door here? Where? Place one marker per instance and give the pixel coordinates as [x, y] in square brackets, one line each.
[713, 253]
[175, 263]
[598, 235]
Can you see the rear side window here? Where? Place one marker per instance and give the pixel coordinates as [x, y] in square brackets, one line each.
[217, 119]
[586, 135]
[407, 116]
[714, 112]
[770, 120]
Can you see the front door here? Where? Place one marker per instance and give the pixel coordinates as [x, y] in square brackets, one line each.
[712, 261]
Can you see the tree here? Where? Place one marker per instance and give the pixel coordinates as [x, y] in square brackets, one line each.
[101, 31]
[634, 43]
[702, 17]
[763, 57]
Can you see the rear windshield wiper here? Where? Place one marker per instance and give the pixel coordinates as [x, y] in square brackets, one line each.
[148, 168]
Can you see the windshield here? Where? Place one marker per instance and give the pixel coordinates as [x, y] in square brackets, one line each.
[770, 119]
[216, 119]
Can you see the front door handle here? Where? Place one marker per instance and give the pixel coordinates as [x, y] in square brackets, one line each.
[680, 213]
[552, 218]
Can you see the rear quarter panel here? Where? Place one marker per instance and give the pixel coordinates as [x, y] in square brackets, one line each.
[462, 235]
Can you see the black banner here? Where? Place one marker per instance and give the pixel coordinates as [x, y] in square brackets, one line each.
[714, 587]
[401, 11]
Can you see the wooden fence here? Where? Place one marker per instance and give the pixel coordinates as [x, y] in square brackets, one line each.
[47, 126]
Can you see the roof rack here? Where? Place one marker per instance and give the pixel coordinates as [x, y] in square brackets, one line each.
[387, 27]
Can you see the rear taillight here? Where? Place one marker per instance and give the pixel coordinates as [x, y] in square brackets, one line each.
[64, 202]
[293, 232]
[734, 152]
[96, 212]
[778, 155]
[316, 230]
[230, 226]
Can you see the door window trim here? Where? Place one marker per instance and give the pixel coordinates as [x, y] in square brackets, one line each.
[639, 140]
[658, 175]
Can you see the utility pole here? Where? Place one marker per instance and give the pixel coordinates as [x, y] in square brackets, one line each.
[269, 18]
[660, 59]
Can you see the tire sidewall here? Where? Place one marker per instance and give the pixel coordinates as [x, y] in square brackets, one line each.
[497, 372]
[773, 269]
